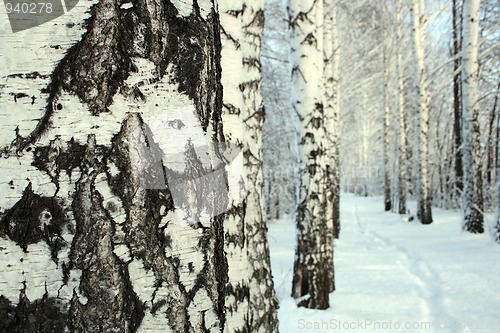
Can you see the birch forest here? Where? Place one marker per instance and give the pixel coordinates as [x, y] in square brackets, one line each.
[249, 166]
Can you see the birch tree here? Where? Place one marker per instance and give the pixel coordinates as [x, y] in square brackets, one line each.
[311, 283]
[401, 113]
[497, 228]
[473, 196]
[330, 77]
[424, 200]
[250, 298]
[237, 290]
[387, 118]
[263, 301]
[110, 212]
[457, 107]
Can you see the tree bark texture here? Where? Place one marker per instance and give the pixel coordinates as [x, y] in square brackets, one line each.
[402, 174]
[457, 107]
[311, 283]
[386, 125]
[331, 80]
[110, 214]
[251, 300]
[424, 199]
[473, 180]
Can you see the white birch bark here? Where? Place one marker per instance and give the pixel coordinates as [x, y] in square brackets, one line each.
[457, 105]
[424, 201]
[237, 289]
[250, 302]
[473, 184]
[310, 283]
[263, 315]
[401, 114]
[122, 99]
[387, 121]
[331, 79]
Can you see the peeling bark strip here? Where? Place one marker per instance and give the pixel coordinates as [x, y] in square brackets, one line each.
[91, 238]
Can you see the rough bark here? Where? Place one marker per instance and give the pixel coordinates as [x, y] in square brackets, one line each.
[473, 180]
[237, 291]
[263, 316]
[330, 73]
[311, 283]
[251, 300]
[424, 200]
[111, 214]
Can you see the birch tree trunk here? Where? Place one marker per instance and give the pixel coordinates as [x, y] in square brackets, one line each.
[330, 73]
[401, 113]
[311, 283]
[250, 301]
[497, 231]
[387, 123]
[457, 112]
[473, 182]
[109, 209]
[262, 316]
[237, 291]
[424, 199]
[491, 155]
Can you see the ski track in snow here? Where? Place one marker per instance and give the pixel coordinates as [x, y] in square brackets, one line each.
[427, 280]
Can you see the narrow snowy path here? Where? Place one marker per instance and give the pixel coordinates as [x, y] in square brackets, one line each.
[396, 276]
[425, 283]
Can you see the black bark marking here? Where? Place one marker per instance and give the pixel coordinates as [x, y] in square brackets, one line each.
[240, 293]
[42, 315]
[59, 156]
[111, 301]
[32, 75]
[35, 218]
[189, 38]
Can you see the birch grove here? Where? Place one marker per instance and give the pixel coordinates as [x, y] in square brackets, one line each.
[428, 131]
[145, 146]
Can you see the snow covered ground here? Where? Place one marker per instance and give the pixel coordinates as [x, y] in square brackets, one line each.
[396, 276]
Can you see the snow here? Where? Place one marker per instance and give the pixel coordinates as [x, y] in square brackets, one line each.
[396, 276]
